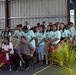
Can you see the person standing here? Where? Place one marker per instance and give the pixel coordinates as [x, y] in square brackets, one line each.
[54, 39]
[40, 44]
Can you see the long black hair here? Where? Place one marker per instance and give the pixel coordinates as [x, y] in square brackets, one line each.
[35, 29]
[63, 28]
[43, 27]
[25, 28]
[50, 28]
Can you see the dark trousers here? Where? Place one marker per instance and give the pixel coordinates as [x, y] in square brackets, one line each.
[26, 58]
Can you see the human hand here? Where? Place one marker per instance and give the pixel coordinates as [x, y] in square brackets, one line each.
[38, 44]
[30, 54]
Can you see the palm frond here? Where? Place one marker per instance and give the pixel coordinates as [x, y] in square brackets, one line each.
[67, 55]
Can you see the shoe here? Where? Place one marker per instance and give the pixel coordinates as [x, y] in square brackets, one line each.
[17, 70]
[27, 68]
[39, 63]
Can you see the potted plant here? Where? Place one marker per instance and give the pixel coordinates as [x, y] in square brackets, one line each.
[66, 56]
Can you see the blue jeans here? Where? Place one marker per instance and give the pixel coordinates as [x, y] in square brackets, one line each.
[40, 51]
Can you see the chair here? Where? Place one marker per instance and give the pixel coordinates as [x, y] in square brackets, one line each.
[46, 52]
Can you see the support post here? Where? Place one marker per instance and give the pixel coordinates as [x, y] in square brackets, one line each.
[6, 13]
[68, 11]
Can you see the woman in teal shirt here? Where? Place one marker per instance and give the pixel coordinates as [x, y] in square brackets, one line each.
[54, 39]
[64, 34]
[70, 34]
[40, 44]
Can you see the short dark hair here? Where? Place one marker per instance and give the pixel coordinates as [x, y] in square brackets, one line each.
[23, 37]
[25, 28]
[43, 22]
[20, 25]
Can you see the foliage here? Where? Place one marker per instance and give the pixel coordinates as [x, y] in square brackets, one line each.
[66, 55]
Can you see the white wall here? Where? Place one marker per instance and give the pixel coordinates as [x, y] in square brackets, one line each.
[2, 15]
[35, 11]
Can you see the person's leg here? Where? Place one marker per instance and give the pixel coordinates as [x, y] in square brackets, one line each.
[46, 57]
[51, 57]
[1, 65]
[2, 56]
[39, 55]
[46, 48]
[27, 60]
[52, 60]
[16, 61]
[42, 54]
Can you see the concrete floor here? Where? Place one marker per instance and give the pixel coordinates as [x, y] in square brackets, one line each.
[32, 70]
[52, 70]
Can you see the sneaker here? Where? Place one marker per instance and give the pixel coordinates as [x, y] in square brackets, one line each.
[27, 68]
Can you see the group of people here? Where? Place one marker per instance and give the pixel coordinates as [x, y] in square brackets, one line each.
[40, 39]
